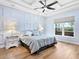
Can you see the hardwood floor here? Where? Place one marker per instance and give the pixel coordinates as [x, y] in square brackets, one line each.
[61, 51]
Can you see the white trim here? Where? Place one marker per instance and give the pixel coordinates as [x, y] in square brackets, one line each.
[70, 6]
[63, 34]
[77, 43]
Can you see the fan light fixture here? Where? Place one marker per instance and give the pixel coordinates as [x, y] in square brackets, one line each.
[45, 6]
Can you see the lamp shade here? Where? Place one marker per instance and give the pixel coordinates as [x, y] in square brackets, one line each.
[40, 28]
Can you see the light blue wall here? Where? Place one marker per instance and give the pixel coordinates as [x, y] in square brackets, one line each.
[75, 13]
[1, 23]
[16, 15]
[0, 11]
[25, 21]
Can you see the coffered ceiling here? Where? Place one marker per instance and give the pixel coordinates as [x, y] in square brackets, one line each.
[30, 5]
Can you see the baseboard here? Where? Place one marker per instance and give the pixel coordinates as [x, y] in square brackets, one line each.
[2, 46]
[70, 42]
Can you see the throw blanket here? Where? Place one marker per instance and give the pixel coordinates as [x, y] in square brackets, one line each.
[36, 42]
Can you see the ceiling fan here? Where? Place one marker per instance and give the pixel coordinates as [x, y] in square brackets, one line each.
[46, 6]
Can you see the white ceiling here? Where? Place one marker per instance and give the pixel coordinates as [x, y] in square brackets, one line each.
[29, 5]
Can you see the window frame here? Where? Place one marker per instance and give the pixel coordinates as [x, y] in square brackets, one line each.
[63, 29]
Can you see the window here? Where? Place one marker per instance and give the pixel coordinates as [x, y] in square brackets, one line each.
[69, 29]
[65, 28]
[58, 29]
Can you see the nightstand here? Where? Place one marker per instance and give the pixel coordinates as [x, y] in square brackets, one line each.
[12, 41]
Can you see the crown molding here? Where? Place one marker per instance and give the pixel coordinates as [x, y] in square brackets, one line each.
[27, 8]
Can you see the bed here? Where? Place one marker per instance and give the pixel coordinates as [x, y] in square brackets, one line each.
[37, 43]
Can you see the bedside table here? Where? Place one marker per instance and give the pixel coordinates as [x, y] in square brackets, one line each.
[12, 41]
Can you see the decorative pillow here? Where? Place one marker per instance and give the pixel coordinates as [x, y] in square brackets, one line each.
[35, 33]
[28, 33]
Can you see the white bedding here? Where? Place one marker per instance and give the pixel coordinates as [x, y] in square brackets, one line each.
[36, 42]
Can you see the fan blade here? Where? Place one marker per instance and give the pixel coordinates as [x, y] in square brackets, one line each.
[51, 8]
[36, 8]
[45, 2]
[39, 8]
[43, 10]
[53, 3]
[41, 2]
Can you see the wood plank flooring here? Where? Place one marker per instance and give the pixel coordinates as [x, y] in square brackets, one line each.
[60, 51]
